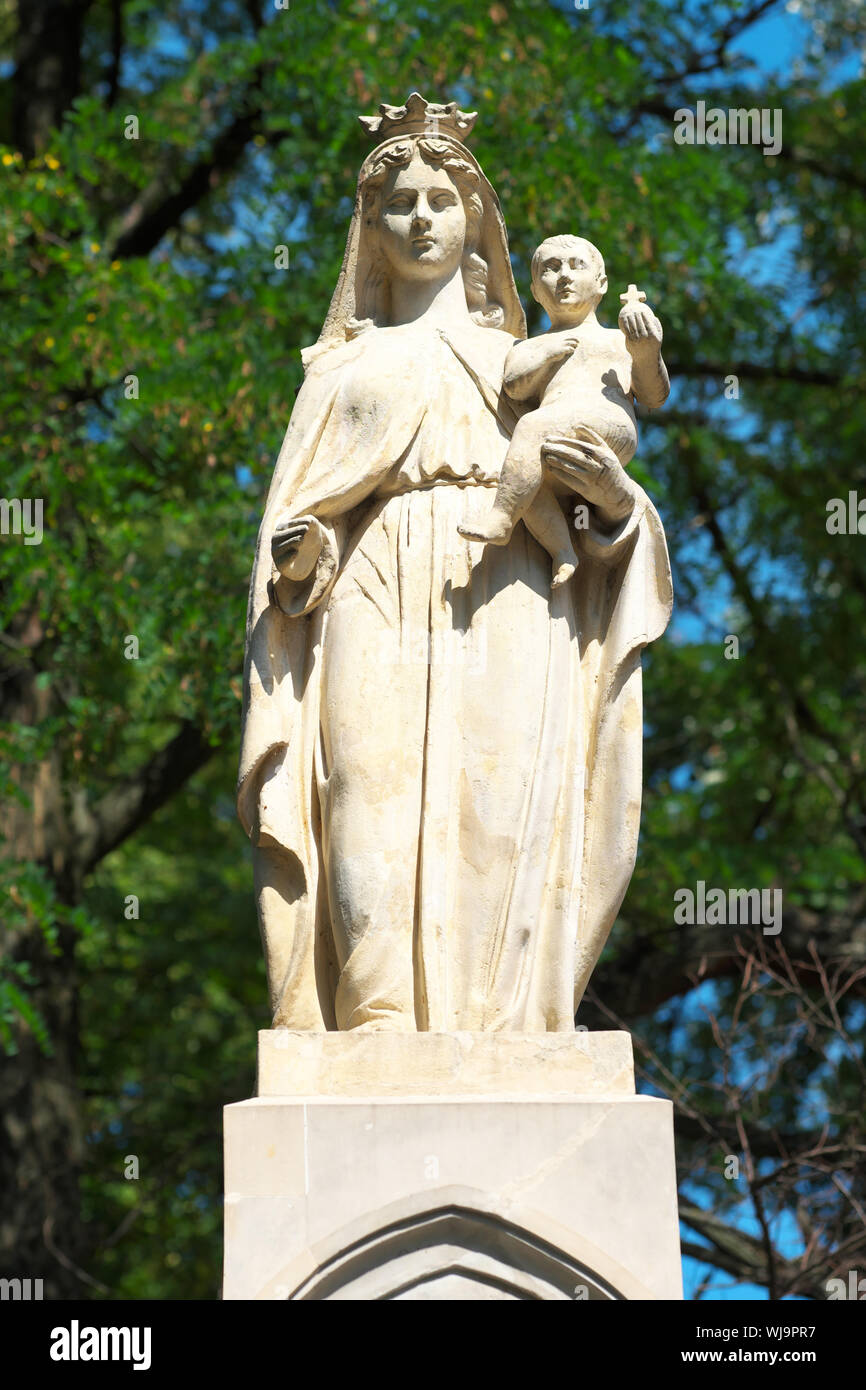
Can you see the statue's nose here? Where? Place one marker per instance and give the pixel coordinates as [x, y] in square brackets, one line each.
[422, 213]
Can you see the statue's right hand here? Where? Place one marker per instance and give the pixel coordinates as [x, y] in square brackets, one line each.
[564, 342]
[296, 546]
[589, 466]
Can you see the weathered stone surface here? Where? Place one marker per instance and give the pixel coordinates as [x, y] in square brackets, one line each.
[441, 772]
[451, 1199]
[443, 1064]
[441, 752]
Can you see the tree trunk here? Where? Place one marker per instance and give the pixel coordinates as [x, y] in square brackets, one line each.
[41, 1142]
[47, 68]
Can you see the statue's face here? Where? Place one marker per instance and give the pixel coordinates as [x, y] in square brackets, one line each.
[567, 281]
[422, 222]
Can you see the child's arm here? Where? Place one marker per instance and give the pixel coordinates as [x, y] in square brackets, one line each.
[650, 382]
[530, 364]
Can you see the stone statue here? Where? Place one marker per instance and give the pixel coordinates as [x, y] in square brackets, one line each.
[441, 753]
[586, 380]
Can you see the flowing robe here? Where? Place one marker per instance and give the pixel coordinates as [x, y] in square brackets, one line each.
[441, 757]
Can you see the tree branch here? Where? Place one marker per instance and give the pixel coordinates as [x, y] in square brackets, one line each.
[796, 712]
[820, 167]
[121, 811]
[743, 1255]
[157, 211]
[47, 72]
[649, 969]
[707, 60]
[756, 371]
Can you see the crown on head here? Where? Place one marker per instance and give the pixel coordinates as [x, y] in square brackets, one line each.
[420, 115]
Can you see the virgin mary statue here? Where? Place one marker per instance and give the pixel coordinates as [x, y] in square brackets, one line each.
[441, 755]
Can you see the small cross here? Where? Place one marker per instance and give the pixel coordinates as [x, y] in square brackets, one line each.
[632, 296]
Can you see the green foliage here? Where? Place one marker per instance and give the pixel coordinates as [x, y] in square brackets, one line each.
[755, 766]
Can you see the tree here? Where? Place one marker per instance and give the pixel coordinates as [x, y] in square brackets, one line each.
[159, 171]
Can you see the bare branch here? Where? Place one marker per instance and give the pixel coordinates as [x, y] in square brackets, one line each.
[157, 210]
[756, 371]
[122, 810]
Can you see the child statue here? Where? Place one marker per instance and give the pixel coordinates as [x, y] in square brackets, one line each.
[584, 377]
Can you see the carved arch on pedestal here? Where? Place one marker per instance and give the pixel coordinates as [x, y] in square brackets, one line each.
[454, 1244]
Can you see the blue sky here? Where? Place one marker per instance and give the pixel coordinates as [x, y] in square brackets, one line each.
[773, 44]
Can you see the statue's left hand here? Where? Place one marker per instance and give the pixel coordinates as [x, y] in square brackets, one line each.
[642, 330]
[590, 467]
[296, 546]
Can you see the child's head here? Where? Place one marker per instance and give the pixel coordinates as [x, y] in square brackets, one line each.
[568, 278]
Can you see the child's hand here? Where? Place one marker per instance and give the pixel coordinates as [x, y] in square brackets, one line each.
[642, 330]
[562, 344]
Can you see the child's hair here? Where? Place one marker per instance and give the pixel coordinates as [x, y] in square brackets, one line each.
[567, 244]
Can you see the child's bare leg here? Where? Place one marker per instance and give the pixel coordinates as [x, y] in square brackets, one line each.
[546, 521]
[518, 484]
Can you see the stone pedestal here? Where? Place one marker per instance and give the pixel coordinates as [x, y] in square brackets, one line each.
[437, 1166]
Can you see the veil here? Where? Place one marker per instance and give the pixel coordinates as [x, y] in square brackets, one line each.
[275, 643]
[492, 247]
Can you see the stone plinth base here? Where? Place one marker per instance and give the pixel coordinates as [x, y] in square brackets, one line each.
[444, 1064]
[497, 1184]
